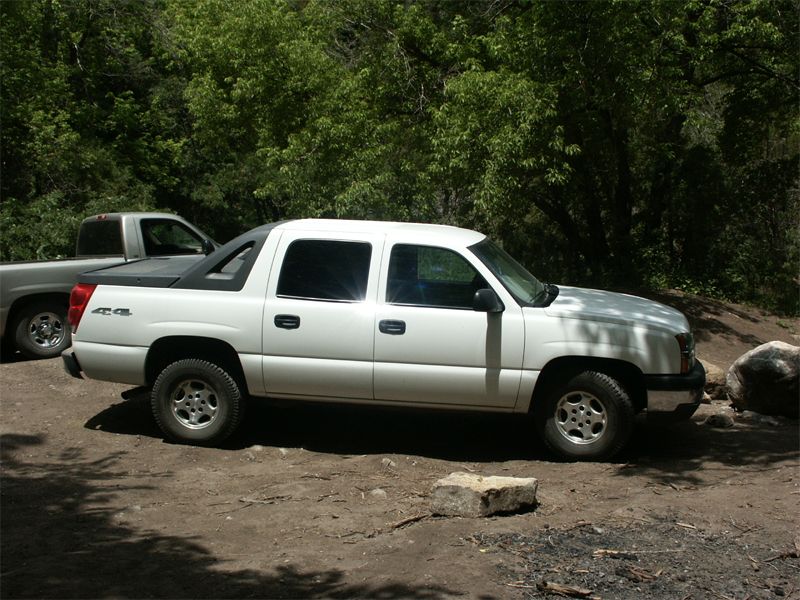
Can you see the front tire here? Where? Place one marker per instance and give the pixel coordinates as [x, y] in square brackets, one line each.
[41, 330]
[196, 402]
[589, 417]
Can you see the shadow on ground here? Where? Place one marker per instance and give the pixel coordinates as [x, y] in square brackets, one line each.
[670, 452]
[9, 355]
[340, 429]
[680, 453]
[61, 539]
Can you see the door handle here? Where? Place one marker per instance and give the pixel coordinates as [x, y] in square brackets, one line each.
[391, 327]
[287, 321]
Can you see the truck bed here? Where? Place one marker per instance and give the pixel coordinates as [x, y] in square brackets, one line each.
[148, 272]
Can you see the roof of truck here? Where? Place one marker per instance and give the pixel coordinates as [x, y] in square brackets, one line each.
[454, 235]
[113, 216]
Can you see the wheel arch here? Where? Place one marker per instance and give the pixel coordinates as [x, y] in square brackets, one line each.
[563, 368]
[60, 298]
[167, 350]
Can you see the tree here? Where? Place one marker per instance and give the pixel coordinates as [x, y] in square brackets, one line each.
[603, 142]
[79, 131]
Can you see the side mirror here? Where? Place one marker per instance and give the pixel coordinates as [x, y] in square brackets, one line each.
[487, 301]
[208, 247]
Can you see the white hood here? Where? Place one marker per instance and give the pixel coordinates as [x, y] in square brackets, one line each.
[599, 305]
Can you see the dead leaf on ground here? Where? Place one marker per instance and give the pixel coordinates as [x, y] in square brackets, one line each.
[637, 575]
[564, 590]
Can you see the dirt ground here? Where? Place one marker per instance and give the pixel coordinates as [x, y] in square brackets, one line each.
[324, 501]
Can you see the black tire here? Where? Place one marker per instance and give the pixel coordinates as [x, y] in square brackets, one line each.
[196, 402]
[41, 330]
[589, 417]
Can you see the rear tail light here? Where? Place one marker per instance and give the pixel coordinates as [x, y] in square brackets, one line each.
[686, 344]
[78, 301]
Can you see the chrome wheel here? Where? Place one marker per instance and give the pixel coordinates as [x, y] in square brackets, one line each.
[46, 330]
[588, 415]
[581, 417]
[41, 329]
[195, 403]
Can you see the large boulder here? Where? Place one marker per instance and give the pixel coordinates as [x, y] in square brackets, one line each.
[469, 495]
[767, 380]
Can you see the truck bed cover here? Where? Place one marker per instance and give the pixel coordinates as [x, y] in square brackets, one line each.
[148, 272]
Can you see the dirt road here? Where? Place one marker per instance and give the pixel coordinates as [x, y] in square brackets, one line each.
[322, 501]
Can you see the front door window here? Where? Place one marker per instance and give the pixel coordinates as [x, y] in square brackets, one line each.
[432, 277]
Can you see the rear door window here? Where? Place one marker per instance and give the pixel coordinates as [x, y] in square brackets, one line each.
[334, 271]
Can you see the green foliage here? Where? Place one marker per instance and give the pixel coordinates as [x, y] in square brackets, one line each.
[77, 79]
[47, 227]
[602, 142]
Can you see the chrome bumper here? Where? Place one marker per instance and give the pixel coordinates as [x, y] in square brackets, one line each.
[675, 397]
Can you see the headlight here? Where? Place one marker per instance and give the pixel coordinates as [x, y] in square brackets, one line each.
[686, 345]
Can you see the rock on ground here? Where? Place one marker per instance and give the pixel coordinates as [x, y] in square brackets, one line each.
[715, 381]
[767, 380]
[719, 420]
[470, 495]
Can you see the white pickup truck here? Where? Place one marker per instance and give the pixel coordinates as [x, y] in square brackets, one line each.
[34, 295]
[381, 313]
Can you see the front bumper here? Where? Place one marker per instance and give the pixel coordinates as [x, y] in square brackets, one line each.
[675, 397]
[71, 364]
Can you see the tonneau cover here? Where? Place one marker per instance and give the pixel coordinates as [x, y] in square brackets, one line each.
[154, 272]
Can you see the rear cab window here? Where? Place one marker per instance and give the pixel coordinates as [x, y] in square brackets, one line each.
[100, 238]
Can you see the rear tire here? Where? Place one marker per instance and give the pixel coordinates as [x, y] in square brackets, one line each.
[589, 417]
[196, 402]
[41, 330]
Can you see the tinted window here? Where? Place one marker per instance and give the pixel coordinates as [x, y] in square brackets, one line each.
[164, 237]
[236, 262]
[100, 238]
[428, 276]
[325, 270]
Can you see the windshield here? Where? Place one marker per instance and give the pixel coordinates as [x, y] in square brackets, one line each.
[525, 288]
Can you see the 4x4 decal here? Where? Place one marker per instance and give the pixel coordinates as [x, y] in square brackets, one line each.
[120, 312]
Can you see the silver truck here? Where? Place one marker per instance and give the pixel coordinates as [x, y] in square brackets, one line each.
[34, 295]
